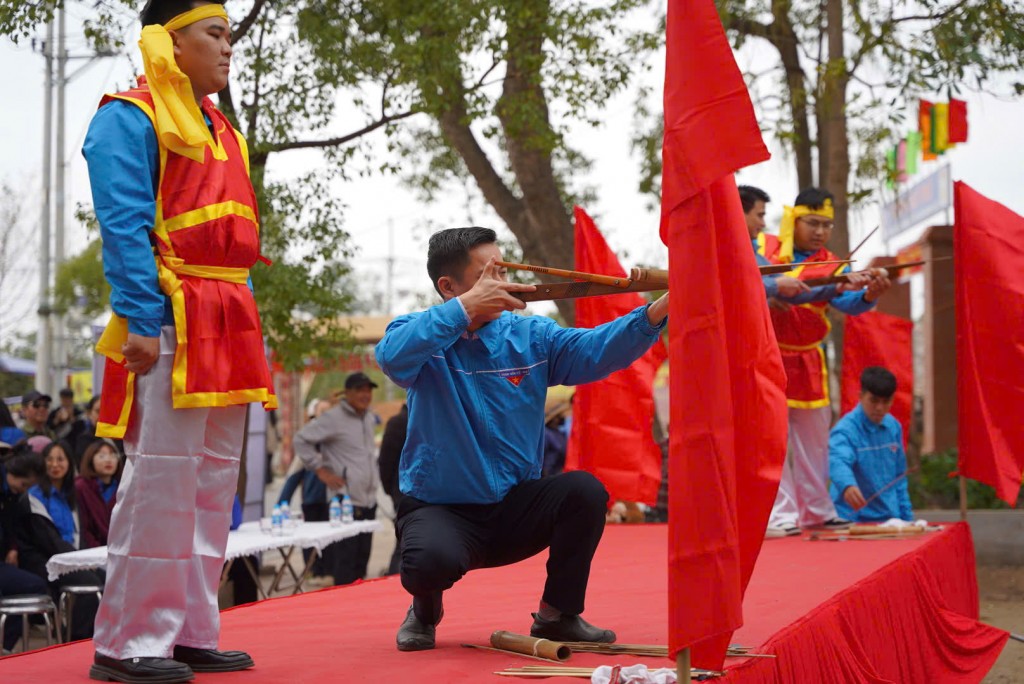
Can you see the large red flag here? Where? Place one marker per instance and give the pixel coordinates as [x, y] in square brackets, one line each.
[879, 339]
[612, 418]
[727, 428]
[988, 248]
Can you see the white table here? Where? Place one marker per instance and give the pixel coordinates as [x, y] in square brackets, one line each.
[246, 541]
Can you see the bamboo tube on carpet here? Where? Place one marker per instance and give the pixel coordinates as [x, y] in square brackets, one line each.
[540, 648]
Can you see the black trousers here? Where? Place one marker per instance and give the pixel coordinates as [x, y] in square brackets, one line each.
[441, 543]
[15, 581]
[347, 560]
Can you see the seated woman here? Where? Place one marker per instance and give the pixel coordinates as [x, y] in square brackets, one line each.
[48, 526]
[96, 490]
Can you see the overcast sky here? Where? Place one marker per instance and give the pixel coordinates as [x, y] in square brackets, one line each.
[990, 162]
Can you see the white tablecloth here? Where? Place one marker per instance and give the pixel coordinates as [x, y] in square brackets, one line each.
[247, 540]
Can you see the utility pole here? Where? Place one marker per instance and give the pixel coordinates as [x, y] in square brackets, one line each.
[390, 274]
[60, 359]
[43, 337]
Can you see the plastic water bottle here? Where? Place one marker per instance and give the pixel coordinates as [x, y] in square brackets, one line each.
[335, 512]
[286, 515]
[276, 522]
[346, 510]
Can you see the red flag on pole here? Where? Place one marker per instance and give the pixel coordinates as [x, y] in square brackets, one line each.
[727, 432]
[957, 121]
[612, 418]
[988, 249]
[879, 339]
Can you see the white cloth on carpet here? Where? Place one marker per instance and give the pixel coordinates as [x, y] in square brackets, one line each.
[633, 674]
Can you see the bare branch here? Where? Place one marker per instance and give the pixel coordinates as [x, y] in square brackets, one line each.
[340, 140]
[242, 28]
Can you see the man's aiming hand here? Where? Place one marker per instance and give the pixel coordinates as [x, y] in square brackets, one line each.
[140, 353]
[853, 496]
[491, 294]
[878, 285]
[791, 287]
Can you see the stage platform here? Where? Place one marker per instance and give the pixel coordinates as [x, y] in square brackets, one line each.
[854, 611]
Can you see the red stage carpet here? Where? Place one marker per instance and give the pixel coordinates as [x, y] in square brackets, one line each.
[856, 611]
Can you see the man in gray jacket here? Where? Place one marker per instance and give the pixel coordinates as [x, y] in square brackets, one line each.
[339, 447]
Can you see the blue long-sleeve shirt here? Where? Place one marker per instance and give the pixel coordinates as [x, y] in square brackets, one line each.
[476, 401]
[124, 167]
[870, 456]
[851, 303]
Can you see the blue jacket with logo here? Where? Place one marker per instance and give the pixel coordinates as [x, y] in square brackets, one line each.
[869, 456]
[476, 401]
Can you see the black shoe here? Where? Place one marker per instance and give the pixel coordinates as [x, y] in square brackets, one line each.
[836, 524]
[415, 635]
[140, 670]
[211, 660]
[569, 628]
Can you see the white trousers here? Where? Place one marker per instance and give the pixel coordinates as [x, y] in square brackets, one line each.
[169, 529]
[803, 490]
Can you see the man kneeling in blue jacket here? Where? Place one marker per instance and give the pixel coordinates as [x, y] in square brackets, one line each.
[866, 457]
[476, 378]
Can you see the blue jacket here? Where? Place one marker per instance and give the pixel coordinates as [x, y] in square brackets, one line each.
[869, 456]
[59, 510]
[476, 402]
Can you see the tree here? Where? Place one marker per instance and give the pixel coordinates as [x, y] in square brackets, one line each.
[500, 82]
[15, 263]
[849, 70]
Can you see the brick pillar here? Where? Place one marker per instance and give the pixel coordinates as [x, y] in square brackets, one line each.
[940, 408]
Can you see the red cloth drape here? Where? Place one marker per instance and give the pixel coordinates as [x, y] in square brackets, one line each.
[728, 407]
[914, 620]
[988, 248]
[612, 419]
[879, 339]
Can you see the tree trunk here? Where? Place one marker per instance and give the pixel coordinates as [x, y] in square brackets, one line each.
[782, 36]
[537, 216]
[834, 158]
[833, 150]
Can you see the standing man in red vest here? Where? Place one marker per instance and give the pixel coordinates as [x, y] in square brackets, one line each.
[180, 228]
[803, 498]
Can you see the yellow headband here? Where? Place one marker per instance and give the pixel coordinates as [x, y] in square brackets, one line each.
[789, 217]
[178, 121]
[198, 14]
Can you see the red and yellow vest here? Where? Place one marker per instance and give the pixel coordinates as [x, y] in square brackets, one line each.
[206, 237]
[800, 331]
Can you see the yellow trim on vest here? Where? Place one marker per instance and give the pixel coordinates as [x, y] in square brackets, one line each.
[217, 399]
[117, 430]
[210, 212]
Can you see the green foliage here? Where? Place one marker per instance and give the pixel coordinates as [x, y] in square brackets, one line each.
[440, 58]
[934, 486]
[302, 295]
[80, 283]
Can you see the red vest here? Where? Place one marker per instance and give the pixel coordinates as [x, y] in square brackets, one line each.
[800, 332]
[206, 237]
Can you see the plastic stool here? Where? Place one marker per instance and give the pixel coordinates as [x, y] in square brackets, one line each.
[26, 606]
[68, 592]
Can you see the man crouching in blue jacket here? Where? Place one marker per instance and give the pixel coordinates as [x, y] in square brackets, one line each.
[867, 464]
[476, 378]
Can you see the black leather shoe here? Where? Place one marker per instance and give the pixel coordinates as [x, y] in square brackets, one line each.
[140, 670]
[210, 660]
[414, 635]
[569, 628]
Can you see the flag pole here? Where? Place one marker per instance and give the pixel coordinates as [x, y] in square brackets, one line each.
[683, 665]
[963, 498]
